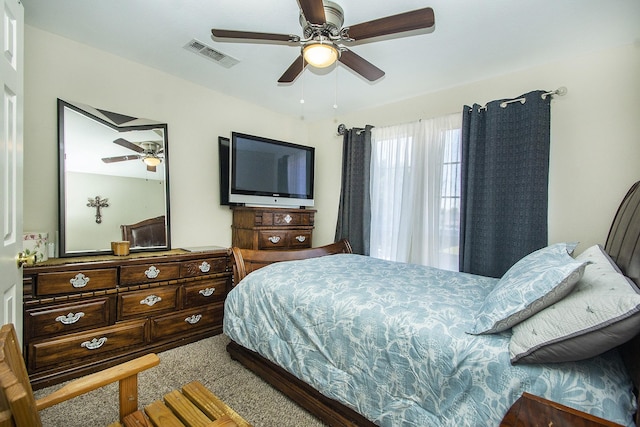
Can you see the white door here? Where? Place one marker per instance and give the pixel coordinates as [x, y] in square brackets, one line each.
[11, 113]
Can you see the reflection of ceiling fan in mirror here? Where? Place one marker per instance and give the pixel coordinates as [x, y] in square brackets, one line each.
[323, 35]
[150, 153]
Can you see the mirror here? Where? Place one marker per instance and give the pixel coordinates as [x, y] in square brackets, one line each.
[114, 181]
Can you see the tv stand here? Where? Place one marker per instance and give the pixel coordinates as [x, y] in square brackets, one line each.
[272, 228]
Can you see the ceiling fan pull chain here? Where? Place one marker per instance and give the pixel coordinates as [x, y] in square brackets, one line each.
[302, 82]
[335, 95]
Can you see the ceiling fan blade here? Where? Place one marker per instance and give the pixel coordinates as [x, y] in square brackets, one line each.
[120, 158]
[414, 20]
[231, 34]
[130, 145]
[360, 65]
[313, 11]
[293, 71]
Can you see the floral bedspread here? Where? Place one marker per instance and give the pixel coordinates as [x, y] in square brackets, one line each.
[388, 340]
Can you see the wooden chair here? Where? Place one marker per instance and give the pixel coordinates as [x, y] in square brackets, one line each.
[193, 406]
[18, 406]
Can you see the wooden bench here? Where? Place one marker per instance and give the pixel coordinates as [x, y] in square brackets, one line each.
[193, 406]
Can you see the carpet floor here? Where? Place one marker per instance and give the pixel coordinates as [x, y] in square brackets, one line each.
[207, 361]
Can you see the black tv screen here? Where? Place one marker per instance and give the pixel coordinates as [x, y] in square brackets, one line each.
[265, 171]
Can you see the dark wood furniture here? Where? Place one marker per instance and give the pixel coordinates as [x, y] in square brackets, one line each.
[18, 406]
[272, 228]
[192, 406]
[85, 314]
[247, 260]
[149, 233]
[547, 413]
[623, 244]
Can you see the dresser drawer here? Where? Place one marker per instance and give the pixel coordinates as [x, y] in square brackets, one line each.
[78, 348]
[186, 321]
[280, 239]
[272, 239]
[284, 218]
[299, 239]
[76, 281]
[203, 267]
[147, 302]
[146, 273]
[205, 292]
[67, 318]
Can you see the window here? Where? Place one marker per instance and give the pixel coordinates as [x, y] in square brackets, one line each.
[415, 192]
[450, 201]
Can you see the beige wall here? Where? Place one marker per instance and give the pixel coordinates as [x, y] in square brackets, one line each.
[130, 200]
[595, 137]
[594, 155]
[60, 68]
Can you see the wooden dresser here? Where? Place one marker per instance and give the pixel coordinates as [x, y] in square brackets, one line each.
[272, 228]
[85, 314]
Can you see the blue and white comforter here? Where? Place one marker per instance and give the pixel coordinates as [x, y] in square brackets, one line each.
[389, 340]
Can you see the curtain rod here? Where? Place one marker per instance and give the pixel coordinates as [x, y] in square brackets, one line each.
[561, 91]
[342, 129]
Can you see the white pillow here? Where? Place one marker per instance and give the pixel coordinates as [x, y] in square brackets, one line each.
[602, 312]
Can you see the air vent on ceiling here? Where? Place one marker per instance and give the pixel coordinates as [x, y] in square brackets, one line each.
[210, 53]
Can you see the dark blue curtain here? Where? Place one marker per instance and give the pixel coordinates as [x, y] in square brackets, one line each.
[505, 169]
[354, 212]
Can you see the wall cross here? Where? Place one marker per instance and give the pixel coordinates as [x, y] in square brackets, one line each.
[98, 203]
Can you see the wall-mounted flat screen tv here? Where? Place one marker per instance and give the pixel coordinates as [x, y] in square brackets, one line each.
[268, 172]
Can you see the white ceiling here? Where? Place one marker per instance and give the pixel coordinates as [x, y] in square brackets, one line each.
[87, 141]
[473, 40]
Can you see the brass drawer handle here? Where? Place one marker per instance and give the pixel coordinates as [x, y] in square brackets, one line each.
[207, 292]
[274, 239]
[192, 320]
[301, 238]
[152, 272]
[80, 281]
[151, 300]
[70, 318]
[94, 344]
[204, 267]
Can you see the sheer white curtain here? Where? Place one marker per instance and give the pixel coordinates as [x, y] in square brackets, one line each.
[415, 192]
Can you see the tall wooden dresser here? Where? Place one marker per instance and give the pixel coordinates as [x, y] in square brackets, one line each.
[85, 314]
[272, 228]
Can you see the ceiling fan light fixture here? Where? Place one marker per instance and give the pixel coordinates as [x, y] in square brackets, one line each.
[151, 160]
[319, 54]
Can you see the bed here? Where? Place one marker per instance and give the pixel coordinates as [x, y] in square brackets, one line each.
[381, 343]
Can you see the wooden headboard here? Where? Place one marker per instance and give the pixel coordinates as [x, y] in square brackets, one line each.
[147, 233]
[623, 242]
[623, 245]
[247, 260]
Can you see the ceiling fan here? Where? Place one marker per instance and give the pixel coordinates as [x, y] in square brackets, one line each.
[150, 152]
[323, 35]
